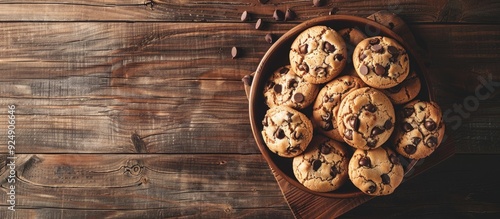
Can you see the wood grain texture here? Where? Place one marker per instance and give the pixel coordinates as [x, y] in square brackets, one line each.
[135, 108]
[447, 194]
[230, 11]
[54, 186]
[91, 86]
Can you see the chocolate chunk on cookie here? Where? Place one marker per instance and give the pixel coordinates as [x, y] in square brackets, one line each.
[365, 118]
[327, 103]
[405, 91]
[376, 172]
[323, 166]
[286, 88]
[420, 129]
[286, 131]
[381, 62]
[318, 54]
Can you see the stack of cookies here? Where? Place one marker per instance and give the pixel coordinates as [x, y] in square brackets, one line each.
[344, 109]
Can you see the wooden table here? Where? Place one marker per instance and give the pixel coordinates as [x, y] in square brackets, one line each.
[136, 109]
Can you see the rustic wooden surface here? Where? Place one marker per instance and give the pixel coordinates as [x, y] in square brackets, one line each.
[135, 109]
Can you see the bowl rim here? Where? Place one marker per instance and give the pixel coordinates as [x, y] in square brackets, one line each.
[292, 33]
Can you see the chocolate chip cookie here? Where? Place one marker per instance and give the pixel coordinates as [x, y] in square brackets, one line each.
[284, 87]
[376, 172]
[323, 166]
[365, 118]
[286, 131]
[327, 103]
[405, 91]
[381, 62]
[351, 36]
[318, 54]
[420, 129]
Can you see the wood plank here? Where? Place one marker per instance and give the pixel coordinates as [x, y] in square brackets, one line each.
[460, 187]
[91, 86]
[215, 11]
[66, 185]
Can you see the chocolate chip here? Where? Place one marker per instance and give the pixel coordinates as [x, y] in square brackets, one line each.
[247, 80]
[320, 71]
[354, 122]
[325, 149]
[331, 99]
[280, 134]
[365, 162]
[333, 11]
[269, 38]
[370, 107]
[432, 141]
[394, 159]
[338, 57]
[363, 70]
[407, 112]
[371, 189]
[430, 125]
[316, 164]
[385, 179]
[263, 1]
[392, 50]
[407, 127]
[259, 24]
[278, 15]
[284, 70]
[388, 124]
[333, 171]
[377, 48]
[362, 56]
[410, 149]
[234, 52]
[303, 49]
[292, 83]
[298, 97]
[297, 135]
[415, 140]
[371, 143]
[374, 41]
[328, 126]
[348, 134]
[393, 59]
[245, 16]
[379, 70]
[277, 88]
[289, 116]
[318, 3]
[304, 67]
[327, 116]
[290, 15]
[328, 47]
[377, 131]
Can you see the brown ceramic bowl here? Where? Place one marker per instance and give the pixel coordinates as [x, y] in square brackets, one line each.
[277, 56]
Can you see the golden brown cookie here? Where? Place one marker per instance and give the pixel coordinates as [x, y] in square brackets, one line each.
[284, 87]
[405, 91]
[323, 166]
[318, 54]
[420, 129]
[286, 131]
[376, 172]
[351, 36]
[365, 118]
[381, 62]
[327, 103]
